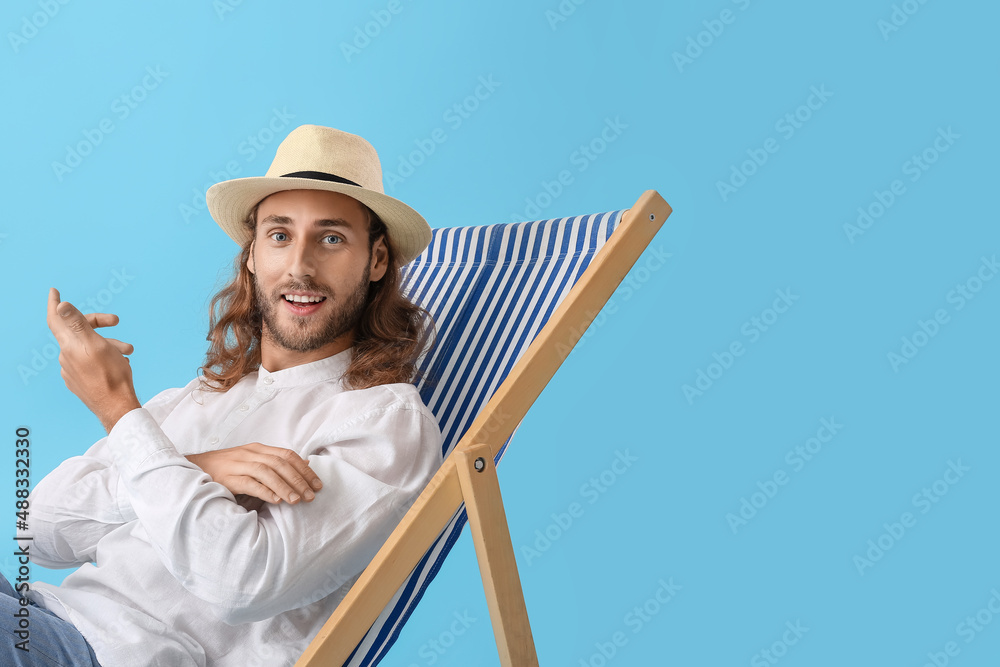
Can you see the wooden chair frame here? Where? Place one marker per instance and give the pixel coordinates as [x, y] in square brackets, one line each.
[468, 473]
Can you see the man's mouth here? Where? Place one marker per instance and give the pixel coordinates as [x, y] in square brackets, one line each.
[303, 304]
[295, 298]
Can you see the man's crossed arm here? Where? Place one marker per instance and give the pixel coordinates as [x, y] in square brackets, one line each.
[97, 370]
[247, 565]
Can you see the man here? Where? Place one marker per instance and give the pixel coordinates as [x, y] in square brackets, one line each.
[222, 523]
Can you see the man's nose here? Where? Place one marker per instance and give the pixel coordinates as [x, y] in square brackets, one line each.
[303, 260]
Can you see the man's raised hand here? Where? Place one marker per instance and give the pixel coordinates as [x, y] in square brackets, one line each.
[271, 474]
[93, 367]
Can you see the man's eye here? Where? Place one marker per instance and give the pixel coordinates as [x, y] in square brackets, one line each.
[279, 236]
[332, 239]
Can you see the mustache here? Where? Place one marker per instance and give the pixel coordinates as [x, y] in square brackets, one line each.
[302, 287]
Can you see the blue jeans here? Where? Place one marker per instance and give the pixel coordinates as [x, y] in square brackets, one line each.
[51, 641]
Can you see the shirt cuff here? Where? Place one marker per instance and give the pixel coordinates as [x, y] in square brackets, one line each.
[137, 440]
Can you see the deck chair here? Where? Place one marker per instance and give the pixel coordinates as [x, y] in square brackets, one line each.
[509, 302]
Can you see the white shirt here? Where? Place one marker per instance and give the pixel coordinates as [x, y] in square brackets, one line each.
[173, 572]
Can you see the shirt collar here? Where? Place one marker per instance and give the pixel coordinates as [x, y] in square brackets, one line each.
[330, 368]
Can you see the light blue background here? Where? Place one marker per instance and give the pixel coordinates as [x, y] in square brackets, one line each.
[686, 127]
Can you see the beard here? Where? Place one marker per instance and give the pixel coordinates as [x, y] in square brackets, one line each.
[303, 334]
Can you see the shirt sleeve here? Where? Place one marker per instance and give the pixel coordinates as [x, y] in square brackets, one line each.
[253, 565]
[81, 501]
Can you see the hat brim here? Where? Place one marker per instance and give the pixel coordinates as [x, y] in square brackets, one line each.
[230, 202]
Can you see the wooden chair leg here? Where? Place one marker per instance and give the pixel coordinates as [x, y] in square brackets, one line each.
[488, 523]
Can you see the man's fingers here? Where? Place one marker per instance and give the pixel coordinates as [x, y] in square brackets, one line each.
[296, 469]
[124, 348]
[60, 325]
[50, 313]
[98, 320]
[302, 466]
[270, 473]
[58, 312]
[297, 472]
[282, 479]
[74, 318]
[243, 485]
[66, 321]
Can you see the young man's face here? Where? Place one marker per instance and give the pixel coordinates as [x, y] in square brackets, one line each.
[312, 266]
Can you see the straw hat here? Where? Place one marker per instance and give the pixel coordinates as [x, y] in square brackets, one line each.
[321, 158]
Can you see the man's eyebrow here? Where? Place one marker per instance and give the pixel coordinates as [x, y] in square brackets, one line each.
[334, 222]
[274, 219]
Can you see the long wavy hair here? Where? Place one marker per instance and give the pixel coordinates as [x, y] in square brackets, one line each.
[389, 338]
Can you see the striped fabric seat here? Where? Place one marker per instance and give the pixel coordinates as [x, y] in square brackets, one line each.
[490, 289]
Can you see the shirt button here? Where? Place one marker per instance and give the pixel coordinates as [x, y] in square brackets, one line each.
[244, 407]
[214, 440]
[268, 380]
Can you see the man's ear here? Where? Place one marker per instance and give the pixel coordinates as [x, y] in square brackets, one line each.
[379, 260]
[250, 265]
